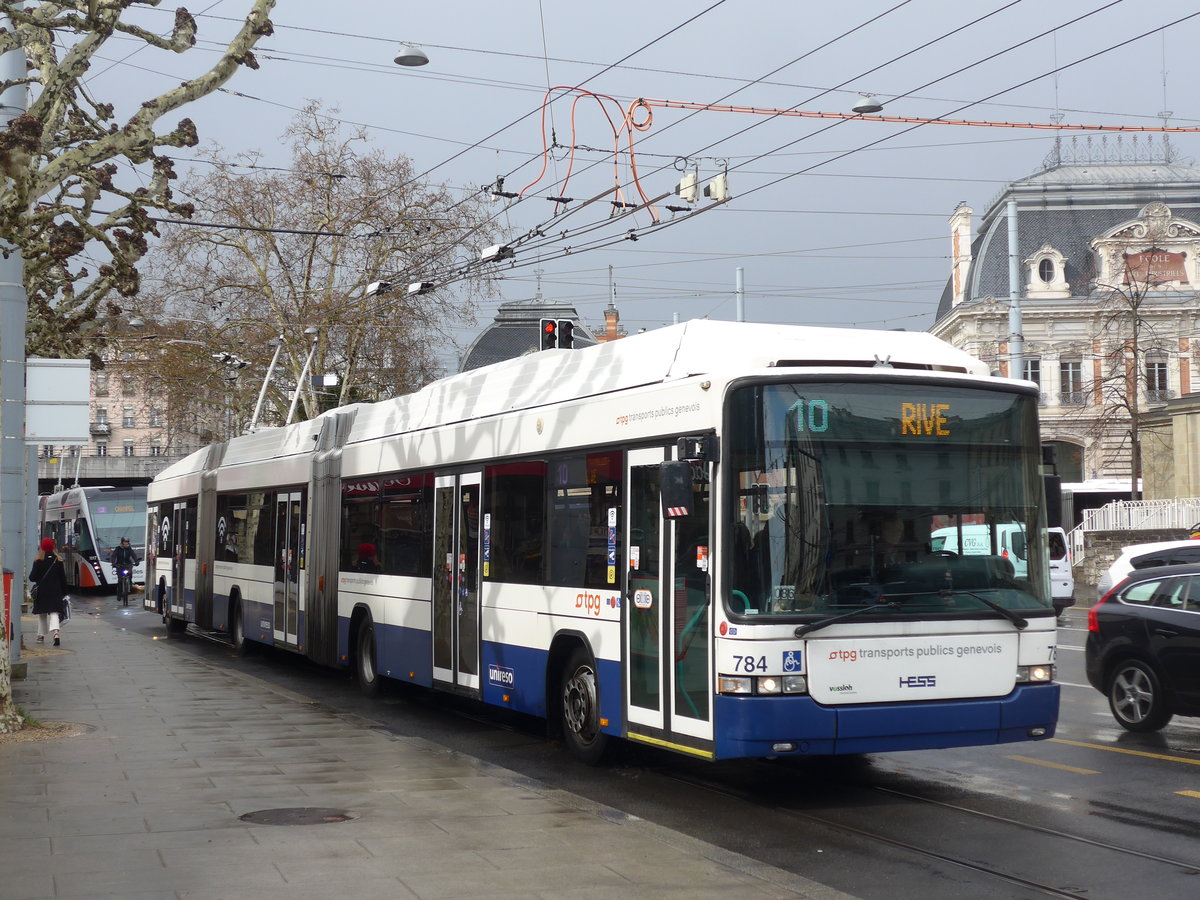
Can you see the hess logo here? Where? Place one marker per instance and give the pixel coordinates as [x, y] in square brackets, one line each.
[919, 681]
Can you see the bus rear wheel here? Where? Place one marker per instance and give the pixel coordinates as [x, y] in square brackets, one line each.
[366, 669]
[580, 709]
[237, 631]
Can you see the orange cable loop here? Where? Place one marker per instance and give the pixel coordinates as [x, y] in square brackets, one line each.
[580, 94]
[628, 125]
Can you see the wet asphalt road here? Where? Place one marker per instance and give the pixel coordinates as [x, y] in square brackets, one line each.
[1095, 812]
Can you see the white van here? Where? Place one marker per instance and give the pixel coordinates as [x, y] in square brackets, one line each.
[1010, 544]
[977, 541]
[1062, 578]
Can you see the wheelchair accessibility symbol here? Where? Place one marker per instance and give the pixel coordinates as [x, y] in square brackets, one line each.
[791, 661]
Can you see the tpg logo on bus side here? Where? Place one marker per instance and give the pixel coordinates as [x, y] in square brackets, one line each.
[918, 681]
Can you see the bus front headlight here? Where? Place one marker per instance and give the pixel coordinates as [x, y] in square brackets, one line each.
[795, 684]
[1042, 674]
[736, 684]
[770, 684]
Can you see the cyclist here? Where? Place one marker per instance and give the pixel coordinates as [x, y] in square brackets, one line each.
[123, 560]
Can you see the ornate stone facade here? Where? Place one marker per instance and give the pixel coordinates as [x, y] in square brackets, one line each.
[1108, 298]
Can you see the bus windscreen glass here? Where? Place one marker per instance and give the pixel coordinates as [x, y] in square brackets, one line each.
[117, 514]
[913, 498]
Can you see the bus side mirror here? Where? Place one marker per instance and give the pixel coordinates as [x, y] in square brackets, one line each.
[675, 488]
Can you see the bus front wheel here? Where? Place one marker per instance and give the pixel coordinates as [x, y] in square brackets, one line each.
[580, 709]
[365, 667]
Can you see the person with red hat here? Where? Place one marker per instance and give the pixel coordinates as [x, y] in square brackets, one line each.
[367, 560]
[49, 601]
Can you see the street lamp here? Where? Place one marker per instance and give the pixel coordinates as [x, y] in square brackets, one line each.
[869, 104]
[412, 55]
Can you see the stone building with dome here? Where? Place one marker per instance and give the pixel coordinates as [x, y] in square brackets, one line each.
[1107, 245]
[516, 331]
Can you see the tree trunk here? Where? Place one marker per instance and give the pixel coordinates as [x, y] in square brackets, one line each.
[9, 719]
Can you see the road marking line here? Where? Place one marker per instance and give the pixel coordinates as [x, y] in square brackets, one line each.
[1143, 753]
[1195, 794]
[1054, 765]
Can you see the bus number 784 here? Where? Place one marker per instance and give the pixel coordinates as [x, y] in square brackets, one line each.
[750, 663]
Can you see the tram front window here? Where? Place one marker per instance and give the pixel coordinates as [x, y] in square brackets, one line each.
[914, 498]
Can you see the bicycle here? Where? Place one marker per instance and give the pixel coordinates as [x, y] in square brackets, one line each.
[124, 586]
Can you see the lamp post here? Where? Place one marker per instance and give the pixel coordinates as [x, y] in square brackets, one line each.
[15, 458]
[233, 366]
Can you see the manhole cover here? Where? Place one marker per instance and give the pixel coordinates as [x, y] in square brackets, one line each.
[300, 815]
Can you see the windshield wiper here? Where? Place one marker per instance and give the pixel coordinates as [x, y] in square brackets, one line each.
[1018, 620]
[802, 630]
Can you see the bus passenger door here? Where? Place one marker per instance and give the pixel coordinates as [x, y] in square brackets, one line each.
[289, 566]
[456, 613]
[643, 592]
[669, 679]
[180, 539]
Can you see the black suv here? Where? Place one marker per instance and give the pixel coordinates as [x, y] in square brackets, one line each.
[1143, 646]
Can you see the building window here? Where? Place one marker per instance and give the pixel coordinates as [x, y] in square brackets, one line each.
[1156, 379]
[1046, 270]
[101, 382]
[127, 447]
[128, 388]
[102, 448]
[1070, 375]
[101, 415]
[47, 451]
[127, 419]
[1033, 370]
[155, 417]
[156, 449]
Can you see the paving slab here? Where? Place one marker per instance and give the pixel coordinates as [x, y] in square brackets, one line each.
[145, 803]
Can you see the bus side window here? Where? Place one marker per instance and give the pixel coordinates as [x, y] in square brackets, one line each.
[82, 538]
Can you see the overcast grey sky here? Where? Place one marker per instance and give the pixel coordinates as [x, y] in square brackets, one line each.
[836, 223]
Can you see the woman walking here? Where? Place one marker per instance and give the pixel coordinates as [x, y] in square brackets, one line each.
[51, 580]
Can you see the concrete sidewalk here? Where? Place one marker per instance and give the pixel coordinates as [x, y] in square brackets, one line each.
[147, 803]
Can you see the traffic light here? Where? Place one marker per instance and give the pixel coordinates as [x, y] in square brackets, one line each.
[566, 334]
[549, 332]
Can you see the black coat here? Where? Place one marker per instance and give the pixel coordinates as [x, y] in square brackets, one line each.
[51, 580]
[123, 557]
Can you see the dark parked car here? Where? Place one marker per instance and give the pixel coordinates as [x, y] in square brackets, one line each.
[1143, 646]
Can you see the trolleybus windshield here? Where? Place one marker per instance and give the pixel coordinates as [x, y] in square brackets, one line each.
[914, 497]
[117, 514]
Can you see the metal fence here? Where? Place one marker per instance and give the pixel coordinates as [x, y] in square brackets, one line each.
[1136, 515]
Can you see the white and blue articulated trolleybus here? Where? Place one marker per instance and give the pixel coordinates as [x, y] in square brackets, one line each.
[713, 538]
